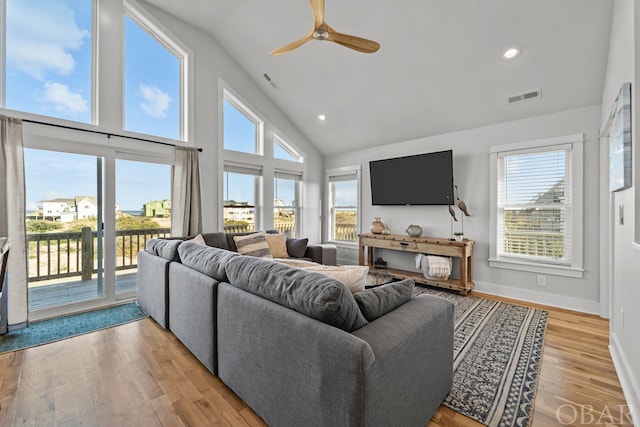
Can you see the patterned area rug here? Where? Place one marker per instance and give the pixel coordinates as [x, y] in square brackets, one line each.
[497, 354]
[59, 328]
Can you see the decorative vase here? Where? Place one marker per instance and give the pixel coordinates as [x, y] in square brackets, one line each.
[459, 237]
[377, 226]
[414, 230]
[386, 230]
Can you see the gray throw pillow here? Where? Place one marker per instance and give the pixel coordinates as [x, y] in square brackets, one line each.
[377, 302]
[206, 259]
[217, 240]
[167, 249]
[296, 248]
[315, 295]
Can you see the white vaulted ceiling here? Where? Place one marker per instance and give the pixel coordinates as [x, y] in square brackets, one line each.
[439, 68]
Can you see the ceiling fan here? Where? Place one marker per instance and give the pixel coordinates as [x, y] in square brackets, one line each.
[322, 31]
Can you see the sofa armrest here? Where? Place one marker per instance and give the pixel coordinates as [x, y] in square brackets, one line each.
[193, 312]
[291, 369]
[413, 348]
[324, 253]
[152, 281]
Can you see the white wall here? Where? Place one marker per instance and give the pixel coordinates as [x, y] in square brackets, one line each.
[212, 63]
[624, 257]
[471, 170]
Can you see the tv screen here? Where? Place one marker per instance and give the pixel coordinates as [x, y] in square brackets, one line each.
[423, 179]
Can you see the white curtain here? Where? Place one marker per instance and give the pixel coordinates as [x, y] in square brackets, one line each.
[186, 205]
[12, 217]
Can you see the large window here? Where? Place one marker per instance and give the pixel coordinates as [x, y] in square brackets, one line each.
[537, 204]
[242, 128]
[344, 196]
[152, 82]
[48, 57]
[282, 150]
[241, 197]
[285, 202]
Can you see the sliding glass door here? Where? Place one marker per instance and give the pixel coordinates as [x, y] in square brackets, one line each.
[143, 211]
[64, 217]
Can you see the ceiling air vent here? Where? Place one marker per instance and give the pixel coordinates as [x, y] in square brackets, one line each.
[527, 96]
[268, 79]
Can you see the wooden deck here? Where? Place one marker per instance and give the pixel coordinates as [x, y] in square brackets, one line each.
[72, 291]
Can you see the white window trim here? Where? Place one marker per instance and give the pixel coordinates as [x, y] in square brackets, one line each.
[345, 170]
[151, 25]
[513, 263]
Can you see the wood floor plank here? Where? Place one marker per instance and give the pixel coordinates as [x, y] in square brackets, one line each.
[139, 374]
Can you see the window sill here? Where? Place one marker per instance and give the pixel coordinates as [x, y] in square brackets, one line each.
[557, 270]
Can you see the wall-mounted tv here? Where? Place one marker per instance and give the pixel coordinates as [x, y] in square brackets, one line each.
[422, 179]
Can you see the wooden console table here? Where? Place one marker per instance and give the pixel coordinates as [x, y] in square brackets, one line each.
[425, 245]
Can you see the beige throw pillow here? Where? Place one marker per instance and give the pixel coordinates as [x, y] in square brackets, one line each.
[198, 239]
[253, 245]
[277, 245]
[353, 276]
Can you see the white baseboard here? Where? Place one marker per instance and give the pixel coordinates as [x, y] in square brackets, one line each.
[561, 301]
[628, 383]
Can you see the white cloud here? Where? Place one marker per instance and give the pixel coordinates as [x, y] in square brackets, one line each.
[155, 102]
[37, 44]
[64, 99]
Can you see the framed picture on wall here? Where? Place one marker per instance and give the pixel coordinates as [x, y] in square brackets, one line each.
[620, 141]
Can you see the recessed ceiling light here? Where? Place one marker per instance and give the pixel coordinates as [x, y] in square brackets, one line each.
[322, 117]
[511, 52]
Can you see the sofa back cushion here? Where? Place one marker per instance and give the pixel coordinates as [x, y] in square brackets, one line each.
[315, 295]
[205, 259]
[167, 249]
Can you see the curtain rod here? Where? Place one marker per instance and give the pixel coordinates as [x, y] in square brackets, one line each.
[108, 134]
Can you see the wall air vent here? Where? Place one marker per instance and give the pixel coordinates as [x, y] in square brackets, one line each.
[526, 96]
[268, 79]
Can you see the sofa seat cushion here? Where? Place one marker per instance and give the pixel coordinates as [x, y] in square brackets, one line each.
[206, 259]
[377, 302]
[164, 248]
[315, 295]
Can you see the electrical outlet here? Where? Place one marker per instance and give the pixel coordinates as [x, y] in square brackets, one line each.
[541, 280]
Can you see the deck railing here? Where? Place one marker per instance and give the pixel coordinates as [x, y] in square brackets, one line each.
[69, 254]
[59, 255]
[345, 232]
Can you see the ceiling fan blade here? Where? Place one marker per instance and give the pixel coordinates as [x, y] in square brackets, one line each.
[294, 45]
[317, 6]
[353, 42]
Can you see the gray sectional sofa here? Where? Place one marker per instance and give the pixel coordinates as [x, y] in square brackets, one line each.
[297, 346]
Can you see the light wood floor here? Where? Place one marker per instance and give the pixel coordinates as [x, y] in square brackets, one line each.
[140, 375]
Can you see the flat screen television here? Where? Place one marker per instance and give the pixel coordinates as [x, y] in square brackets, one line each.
[422, 179]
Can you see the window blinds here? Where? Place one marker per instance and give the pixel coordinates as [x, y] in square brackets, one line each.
[291, 175]
[534, 204]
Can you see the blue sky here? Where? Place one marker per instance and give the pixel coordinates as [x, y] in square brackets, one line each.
[49, 48]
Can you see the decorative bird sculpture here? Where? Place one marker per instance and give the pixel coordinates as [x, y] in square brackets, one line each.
[461, 205]
[451, 211]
